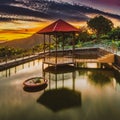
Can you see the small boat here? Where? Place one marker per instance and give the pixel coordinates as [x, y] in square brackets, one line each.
[35, 84]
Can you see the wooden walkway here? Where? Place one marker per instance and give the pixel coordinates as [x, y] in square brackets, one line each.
[59, 62]
[109, 58]
[18, 61]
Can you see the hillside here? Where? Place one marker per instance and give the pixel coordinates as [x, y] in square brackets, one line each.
[25, 43]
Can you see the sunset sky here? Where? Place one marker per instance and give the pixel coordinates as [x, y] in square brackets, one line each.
[22, 18]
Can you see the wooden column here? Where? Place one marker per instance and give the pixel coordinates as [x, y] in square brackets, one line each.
[73, 50]
[63, 42]
[43, 51]
[56, 81]
[63, 80]
[73, 77]
[49, 80]
[49, 45]
[44, 46]
[56, 50]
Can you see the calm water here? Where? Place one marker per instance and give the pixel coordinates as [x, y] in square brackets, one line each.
[71, 94]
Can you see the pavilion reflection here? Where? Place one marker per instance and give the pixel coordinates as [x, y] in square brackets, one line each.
[60, 77]
[60, 93]
[60, 99]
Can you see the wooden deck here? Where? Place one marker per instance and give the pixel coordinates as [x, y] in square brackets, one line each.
[104, 57]
[58, 61]
[109, 58]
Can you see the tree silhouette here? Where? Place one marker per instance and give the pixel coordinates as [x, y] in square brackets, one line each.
[115, 34]
[100, 25]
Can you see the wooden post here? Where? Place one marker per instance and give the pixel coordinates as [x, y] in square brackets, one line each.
[6, 72]
[15, 69]
[73, 76]
[44, 47]
[49, 80]
[56, 51]
[56, 81]
[49, 45]
[63, 80]
[44, 52]
[63, 43]
[42, 66]
[73, 50]
[9, 72]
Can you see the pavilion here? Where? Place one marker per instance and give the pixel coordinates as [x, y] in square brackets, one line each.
[59, 56]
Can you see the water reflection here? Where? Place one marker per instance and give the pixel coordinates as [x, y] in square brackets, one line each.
[94, 102]
[58, 77]
[61, 92]
[116, 80]
[14, 70]
[60, 99]
[100, 78]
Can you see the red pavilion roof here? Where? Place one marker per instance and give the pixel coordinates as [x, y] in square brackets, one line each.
[58, 26]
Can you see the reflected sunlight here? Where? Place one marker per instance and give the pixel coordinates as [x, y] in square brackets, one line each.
[91, 65]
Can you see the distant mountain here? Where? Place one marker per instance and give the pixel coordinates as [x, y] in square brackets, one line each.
[24, 43]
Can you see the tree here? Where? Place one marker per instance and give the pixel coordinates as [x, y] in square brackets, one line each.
[115, 34]
[83, 36]
[100, 25]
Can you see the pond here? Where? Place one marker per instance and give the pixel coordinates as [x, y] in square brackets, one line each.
[72, 93]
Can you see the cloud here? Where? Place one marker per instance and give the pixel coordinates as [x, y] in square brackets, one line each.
[109, 2]
[35, 10]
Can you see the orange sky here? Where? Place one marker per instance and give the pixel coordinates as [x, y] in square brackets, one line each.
[25, 17]
[17, 30]
[22, 29]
